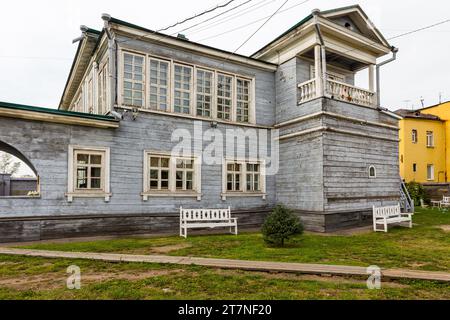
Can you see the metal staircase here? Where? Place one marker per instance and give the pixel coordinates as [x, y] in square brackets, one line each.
[406, 202]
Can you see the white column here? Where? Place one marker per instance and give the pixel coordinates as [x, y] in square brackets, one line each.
[324, 70]
[372, 78]
[318, 69]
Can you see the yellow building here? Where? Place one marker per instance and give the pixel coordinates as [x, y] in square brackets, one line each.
[424, 141]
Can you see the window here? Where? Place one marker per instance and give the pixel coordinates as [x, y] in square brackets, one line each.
[159, 173]
[243, 178]
[415, 167]
[414, 136]
[372, 172]
[182, 89]
[88, 173]
[204, 93]
[102, 89]
[159, 85]
[430, 172]
[165, 175]
[133, 80]
[185, 174]
[89, 170]
[224, 96]
[430, 139]
[234, 177]
[90, 99]
[253, 177]
[243, 100]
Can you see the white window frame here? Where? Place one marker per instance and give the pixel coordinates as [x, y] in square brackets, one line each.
[370, 172]
[250, 100]
[122, 78]
[172, 191]
[430, 139]
[103, 88]
[243, 192]
[414, 136]
[212, 94]
[72, 192]
[168, 87]
[190, 91]
[193, 104]
[430, 172]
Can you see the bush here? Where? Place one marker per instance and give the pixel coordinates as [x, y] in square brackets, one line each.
[417, 192]
[280, 226]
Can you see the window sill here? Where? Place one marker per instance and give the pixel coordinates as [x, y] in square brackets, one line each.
[146, 195]
[243, 195]
[71, 196]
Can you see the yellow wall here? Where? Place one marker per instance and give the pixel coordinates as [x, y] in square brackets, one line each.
[419, 153]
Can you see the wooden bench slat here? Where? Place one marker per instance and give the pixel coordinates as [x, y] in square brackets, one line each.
[206, 218]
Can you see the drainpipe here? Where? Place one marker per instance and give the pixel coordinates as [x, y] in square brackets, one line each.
[394, 57]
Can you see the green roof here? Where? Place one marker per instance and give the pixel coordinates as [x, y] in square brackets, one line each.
[21, 107]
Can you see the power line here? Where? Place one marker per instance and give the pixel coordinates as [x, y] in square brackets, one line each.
[402, 35]
[251, 23]
[212, 18]
[238, 14]
[420, 29]
[254, 33]
[197, 15]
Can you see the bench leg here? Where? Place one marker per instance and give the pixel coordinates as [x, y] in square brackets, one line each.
[183, 232]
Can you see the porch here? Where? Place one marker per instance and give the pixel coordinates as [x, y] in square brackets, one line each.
[326, 83]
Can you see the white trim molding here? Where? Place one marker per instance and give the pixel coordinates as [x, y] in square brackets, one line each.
[242, 193]
[105, 190]
[171, 190]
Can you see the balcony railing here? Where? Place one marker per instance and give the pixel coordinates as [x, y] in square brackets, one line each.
[337, 90]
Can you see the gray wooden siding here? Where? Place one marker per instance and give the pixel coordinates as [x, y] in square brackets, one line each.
[46, 145]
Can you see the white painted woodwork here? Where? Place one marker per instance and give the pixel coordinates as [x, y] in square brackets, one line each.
[206, 218]
[385, 216]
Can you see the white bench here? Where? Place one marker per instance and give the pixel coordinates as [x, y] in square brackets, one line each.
[390, 215]
[206, 218]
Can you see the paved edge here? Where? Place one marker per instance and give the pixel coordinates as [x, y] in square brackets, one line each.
[264, 266]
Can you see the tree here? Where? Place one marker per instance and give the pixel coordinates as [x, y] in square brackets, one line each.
[8, 165]
[280, 226]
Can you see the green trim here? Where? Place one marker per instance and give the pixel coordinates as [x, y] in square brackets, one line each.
[130, 25]
[56, 112]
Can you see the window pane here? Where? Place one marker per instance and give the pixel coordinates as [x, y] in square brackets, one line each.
[159, 84]
[95, 183]
[154, 162]
[154, 174]
[82, 159]
[96, 172]
[96, 159]
[82, 178]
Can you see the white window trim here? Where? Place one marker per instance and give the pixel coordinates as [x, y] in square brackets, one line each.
[168, 87]
[430, 138]
[193, 113]
[370, 169]
[71, 192]
[172, 192]
[414, 136]
[243, 193]
[192, 90]
[432, 178]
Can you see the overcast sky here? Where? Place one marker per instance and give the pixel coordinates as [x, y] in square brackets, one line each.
[37, 51]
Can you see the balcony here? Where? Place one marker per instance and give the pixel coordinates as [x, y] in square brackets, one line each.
[336, 90]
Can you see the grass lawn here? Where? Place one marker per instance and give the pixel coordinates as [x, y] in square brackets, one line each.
[426, 247]
[39, 278]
